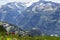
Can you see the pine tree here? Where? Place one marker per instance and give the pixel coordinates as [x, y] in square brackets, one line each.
[2, 29]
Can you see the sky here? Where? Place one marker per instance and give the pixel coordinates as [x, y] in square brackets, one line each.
[2, 2]
[57, 1]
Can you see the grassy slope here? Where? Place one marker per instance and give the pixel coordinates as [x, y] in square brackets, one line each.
[30, 38]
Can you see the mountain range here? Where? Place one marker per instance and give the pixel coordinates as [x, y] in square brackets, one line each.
[41, 15]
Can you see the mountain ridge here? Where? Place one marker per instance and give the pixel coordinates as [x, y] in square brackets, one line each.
[42, 15]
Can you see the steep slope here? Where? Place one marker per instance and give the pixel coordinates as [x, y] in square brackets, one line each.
[42, 15]
[12, 28]
[11, 11]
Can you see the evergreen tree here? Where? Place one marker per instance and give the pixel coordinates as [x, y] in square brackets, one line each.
[2, 29]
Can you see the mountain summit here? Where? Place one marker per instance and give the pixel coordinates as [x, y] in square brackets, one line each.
[42, 15]
[10, 12]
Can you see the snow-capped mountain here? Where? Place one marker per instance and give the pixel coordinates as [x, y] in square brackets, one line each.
[42, 15]
[11, 11]
[9, 15]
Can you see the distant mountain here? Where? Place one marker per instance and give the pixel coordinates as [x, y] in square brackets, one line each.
[10, 12]
[42, 15]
